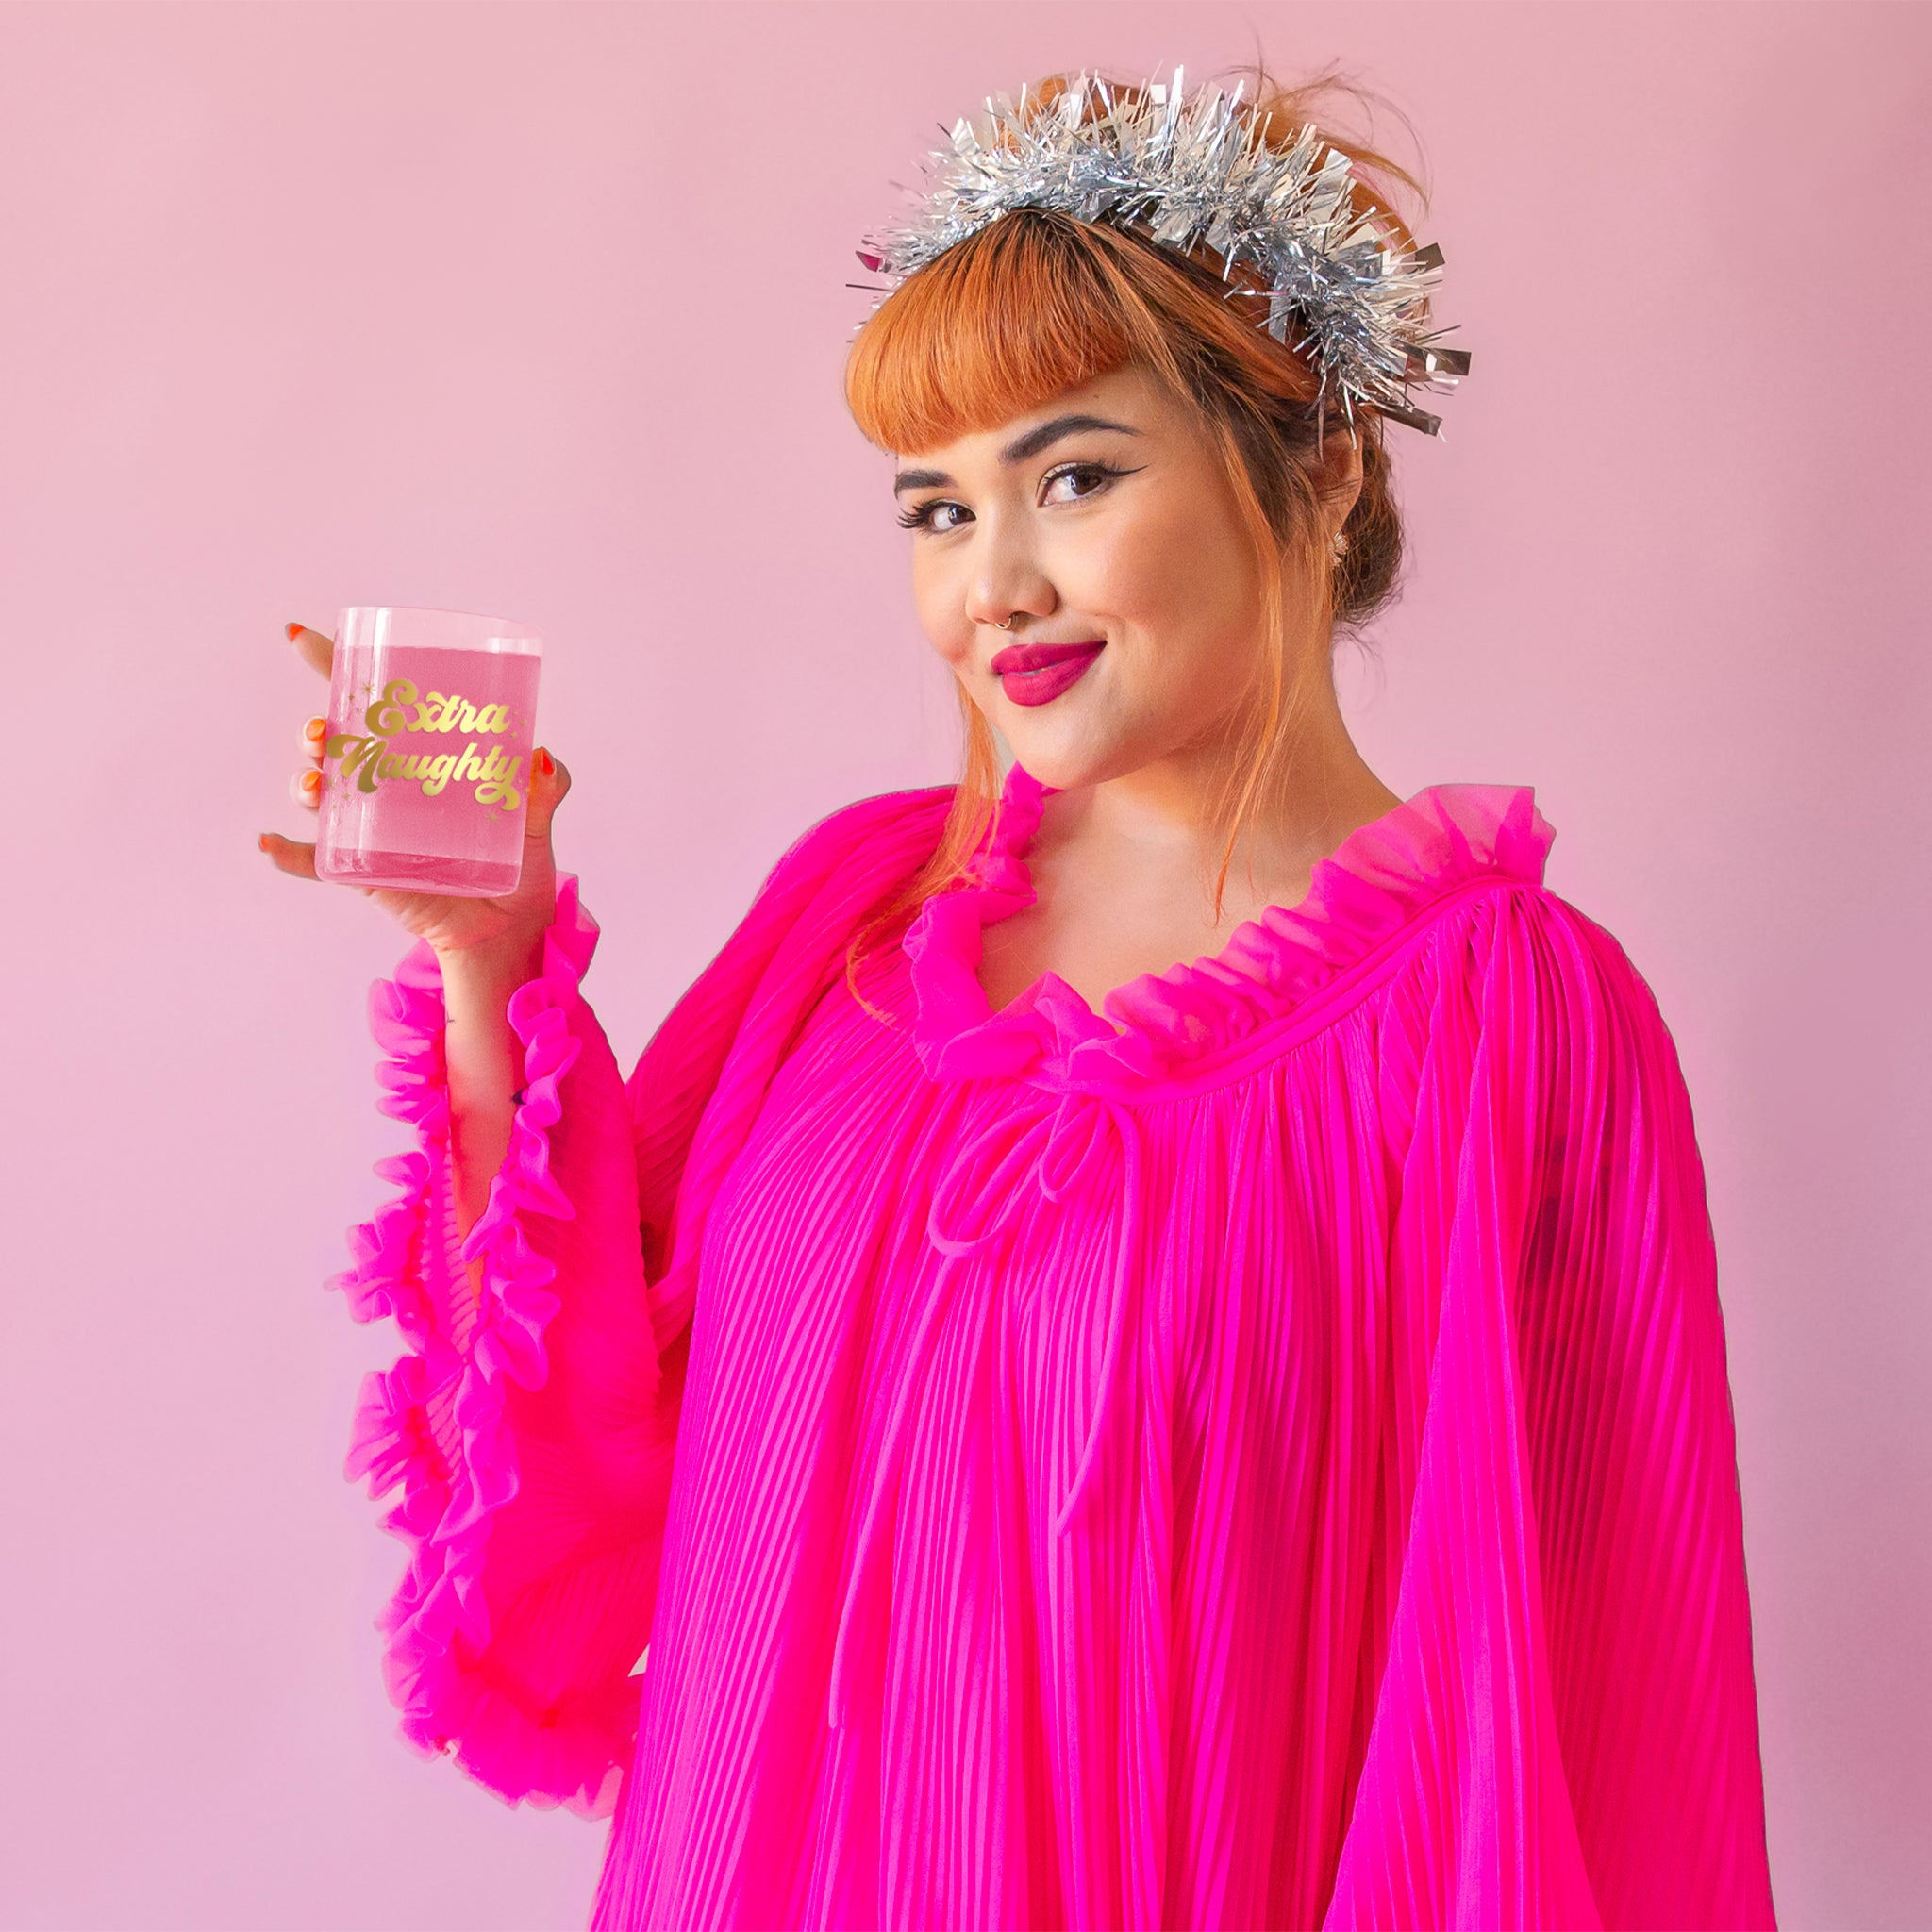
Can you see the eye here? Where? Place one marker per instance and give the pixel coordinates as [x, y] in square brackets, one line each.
[922, 516]
[1094, 476]
[942, 516]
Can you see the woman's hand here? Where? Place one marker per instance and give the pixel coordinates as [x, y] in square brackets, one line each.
[508, 928]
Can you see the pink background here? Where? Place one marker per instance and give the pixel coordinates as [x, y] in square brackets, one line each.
[303, 306]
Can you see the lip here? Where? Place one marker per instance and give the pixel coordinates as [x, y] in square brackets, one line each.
[1037, 656]
[1037, 673]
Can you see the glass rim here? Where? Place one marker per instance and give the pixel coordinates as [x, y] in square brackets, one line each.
[508, 626]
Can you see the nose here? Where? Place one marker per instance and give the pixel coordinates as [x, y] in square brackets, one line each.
[1006, 580]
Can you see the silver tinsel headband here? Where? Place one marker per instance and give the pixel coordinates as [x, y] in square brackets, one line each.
[1197, 174]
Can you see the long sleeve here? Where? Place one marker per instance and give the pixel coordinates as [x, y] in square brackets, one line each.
[529, 1426]
[1562, 1713]
[532, 1426]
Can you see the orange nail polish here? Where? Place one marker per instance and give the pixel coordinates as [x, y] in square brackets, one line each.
[549, 763]
[293, 629]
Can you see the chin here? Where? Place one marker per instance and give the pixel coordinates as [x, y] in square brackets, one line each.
[1051, 758]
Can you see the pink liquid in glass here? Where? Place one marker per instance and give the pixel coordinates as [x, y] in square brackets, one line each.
[426, 763]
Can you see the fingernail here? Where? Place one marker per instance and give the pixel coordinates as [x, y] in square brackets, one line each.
[293, 630]
[311, 781]
[315, 728]
[261, 843]
[549, 763]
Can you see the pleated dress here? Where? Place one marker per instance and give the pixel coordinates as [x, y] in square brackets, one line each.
[1258, 1455]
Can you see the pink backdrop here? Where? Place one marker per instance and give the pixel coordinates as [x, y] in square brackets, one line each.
[309, 305]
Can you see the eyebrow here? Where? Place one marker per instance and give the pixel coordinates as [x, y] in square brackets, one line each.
[1019, 450]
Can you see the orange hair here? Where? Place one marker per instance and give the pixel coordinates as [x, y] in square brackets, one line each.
[1036, 303]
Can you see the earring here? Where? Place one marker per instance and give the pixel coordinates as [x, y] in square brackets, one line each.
[1340, 545]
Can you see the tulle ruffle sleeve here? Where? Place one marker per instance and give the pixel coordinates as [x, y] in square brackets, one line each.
[1561, 1722]
[522, 1423]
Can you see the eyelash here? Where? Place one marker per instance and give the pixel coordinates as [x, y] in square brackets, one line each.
[921, 519]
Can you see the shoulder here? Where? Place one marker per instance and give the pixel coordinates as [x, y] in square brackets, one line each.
[883, 832]
[1511, 927]
[1521, 964]
[880, 810]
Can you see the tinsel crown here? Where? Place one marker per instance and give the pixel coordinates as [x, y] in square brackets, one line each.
[1193, 175]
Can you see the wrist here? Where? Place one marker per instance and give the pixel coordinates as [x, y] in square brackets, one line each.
[507, 962]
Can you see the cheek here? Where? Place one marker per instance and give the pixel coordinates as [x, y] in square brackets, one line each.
[1116, 569]
[1175, 565]
[940, 602]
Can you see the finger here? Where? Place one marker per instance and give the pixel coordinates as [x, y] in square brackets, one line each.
[314, 736]
[549, 782]
[298, 860]
[312, 648]
[305, 788]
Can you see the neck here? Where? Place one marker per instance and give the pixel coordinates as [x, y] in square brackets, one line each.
[1163, 810]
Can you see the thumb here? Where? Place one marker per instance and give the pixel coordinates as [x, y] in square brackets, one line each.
[549, 782]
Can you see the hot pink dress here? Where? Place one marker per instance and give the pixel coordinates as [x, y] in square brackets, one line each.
[1259, 1457]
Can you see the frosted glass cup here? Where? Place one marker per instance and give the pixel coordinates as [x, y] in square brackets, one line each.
[432, 718]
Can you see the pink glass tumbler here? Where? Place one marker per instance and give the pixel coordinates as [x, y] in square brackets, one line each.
[426, 769]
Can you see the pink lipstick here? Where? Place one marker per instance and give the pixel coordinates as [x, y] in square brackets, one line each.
[1036, 673]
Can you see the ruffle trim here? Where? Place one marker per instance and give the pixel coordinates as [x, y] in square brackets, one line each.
[450, 1389]
[1381, 876]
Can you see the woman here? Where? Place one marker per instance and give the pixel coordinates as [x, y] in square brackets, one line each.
[1198, 1390]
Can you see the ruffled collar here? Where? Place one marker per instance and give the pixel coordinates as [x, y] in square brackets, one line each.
[1164, 1026]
